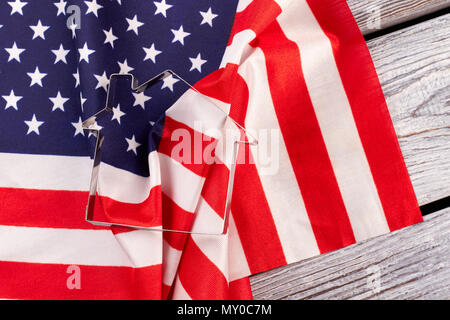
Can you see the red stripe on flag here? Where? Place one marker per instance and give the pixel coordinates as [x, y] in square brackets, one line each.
[255, 17]
[370, 111]
[218, 84]
[199, 276]
[254, 221]
[175, 218]
[20, 280]
[165, 292]
[145, 214]
[250, 209]
[192, 149]
[240, 289]
[44, 208]
[215, 188]
[309, 156]
[239, 99]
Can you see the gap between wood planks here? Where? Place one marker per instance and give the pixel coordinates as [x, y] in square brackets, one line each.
[406, 24]
[380, 15]
[435, 206]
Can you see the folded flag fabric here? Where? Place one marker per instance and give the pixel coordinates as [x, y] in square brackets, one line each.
[56, 59]
[295, 73]
[191, 136]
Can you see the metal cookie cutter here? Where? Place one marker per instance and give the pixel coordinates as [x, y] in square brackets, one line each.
[90, 125]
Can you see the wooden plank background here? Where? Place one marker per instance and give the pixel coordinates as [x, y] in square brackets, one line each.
[412, 263]
[413, 65]
[391, 12]
[414, 69]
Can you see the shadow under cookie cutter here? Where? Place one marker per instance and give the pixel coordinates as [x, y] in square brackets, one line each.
[90, 125]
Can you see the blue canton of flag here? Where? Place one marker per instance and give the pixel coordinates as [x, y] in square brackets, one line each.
[55, 67]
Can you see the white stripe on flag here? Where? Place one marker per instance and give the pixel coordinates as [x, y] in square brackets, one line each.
[73, 173]
[179, 293]
[213, 246]
[142, 247]
[75, 246]
[336, 120]
[237, 261]
[179, 183]
[242, 4]
[198, 112]
[206, 219]
[239, 49]
[125, 186]
[225, 107]
[295, 231]
[171, 260]
[45, 172]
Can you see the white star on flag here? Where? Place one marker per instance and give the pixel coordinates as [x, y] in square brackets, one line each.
[58, 102]
[162, 7]
[168, 82]
[197, 63]
[85, 52]
[76, 75]
[11, 100]
[60, 54]
[179, 35]
[140, 99]
[134, 24]
[124, 67]
[132, 144]
[93, 7]
[78, 127]
[73, 27]
[33, 125]
[151, 53]
[102, 81]
[208, 17]
[39, 30]
[94, 126]
[61, 5]
[82, 100]
[110, 37]
[14, 52]
[17, 6]
[36, 77]
[117, 113]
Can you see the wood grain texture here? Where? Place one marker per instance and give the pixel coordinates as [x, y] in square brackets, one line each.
[413, 65]
[375, 15]
[412, 263]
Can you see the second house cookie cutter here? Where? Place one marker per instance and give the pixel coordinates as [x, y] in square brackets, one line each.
[91, 126]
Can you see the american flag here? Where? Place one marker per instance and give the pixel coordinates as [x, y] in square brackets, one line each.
[300, 68]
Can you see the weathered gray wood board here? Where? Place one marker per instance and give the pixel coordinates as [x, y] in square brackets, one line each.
[414, 69]
[374, 15]
[413, 65]
[412, 263]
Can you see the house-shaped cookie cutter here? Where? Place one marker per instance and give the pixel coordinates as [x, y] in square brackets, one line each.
[90, 126]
